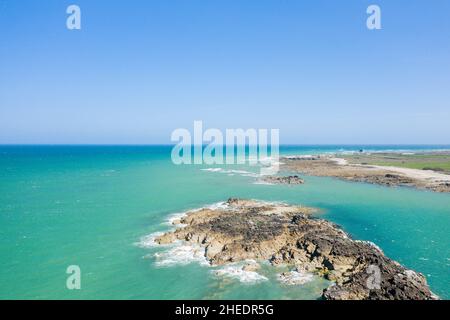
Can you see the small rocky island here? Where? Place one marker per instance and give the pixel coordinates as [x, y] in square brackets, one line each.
[290, 235]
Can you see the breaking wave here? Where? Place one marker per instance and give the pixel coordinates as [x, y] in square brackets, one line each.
[295, 278]
[148, 241]
[231, 172]
[236, 272]
[181, 255]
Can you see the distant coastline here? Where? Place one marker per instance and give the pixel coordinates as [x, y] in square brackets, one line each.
[423, 170]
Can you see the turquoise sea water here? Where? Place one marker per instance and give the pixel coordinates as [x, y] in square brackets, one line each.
[91, 206]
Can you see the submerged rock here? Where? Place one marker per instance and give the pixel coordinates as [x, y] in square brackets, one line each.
[295, 277]
[282, 234]
[283, 180]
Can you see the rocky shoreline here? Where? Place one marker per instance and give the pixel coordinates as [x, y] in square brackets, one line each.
[290, 235]
[329, 166]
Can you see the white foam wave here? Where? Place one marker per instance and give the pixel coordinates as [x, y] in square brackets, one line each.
[212, 169]
[181, 255]
[236, 272]
[262, 182]
[218, 205]
[370, 243]
[148, 241]
[295, 278]
[174, 217]
[242, 173]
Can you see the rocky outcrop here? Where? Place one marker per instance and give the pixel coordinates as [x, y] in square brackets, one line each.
[289, 235]
[328, 166]
[283, 179]
[386, 179]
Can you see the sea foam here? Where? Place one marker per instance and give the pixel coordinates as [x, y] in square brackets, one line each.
[148, 241]
[178, 253]
[295, 278]
[236, 272]
[242, 173]
[181, 254]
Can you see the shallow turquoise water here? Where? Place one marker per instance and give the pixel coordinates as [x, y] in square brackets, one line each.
[89, 206]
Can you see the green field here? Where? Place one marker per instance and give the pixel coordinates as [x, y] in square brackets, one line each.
[436, 166]
[435, 162]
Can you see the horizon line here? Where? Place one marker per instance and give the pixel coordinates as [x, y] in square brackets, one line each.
[174, 144]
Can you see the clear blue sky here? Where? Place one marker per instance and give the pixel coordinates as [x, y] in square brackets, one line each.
[139, 69]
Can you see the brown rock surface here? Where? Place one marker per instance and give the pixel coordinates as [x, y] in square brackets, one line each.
[327, 166]
[289, 235]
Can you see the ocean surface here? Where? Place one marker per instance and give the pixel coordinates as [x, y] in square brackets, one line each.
[98, 207]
